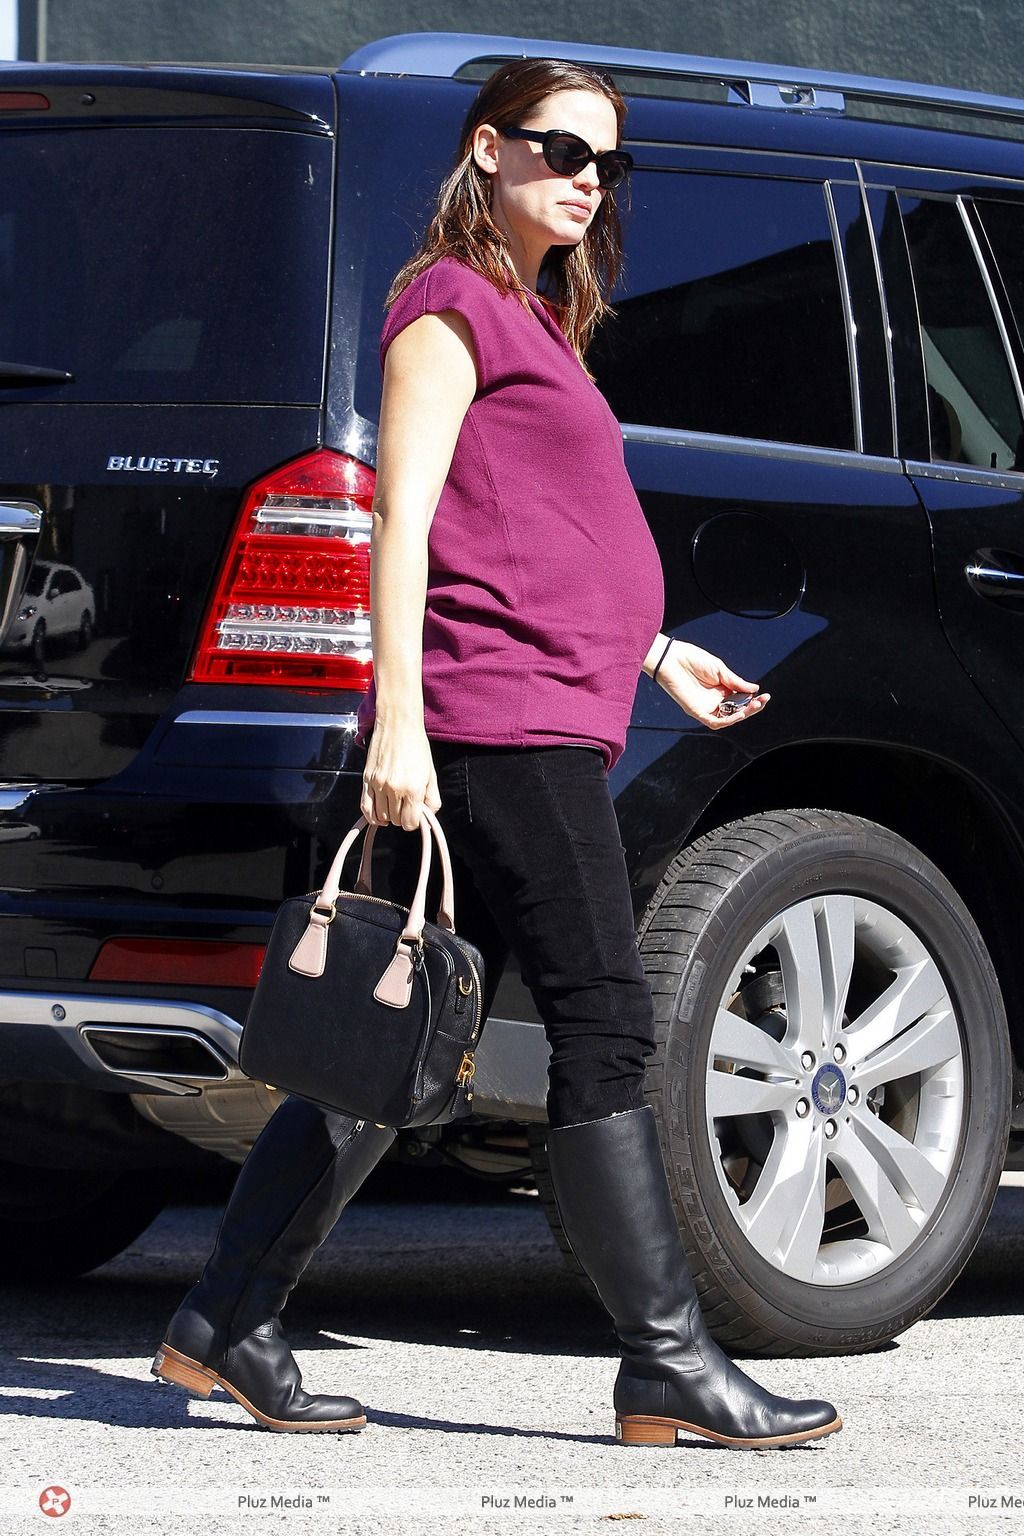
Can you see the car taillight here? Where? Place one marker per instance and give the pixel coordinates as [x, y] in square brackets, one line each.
[292, 603]
[23, 101]
[194, 962]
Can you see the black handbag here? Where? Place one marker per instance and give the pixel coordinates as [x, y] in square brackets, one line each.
[364, 1006]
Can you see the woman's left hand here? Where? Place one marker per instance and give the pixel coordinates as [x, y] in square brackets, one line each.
[700, 683]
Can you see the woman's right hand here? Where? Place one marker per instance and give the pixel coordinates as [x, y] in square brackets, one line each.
[399, 778]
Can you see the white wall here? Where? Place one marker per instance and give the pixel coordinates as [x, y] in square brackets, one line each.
[8, 29]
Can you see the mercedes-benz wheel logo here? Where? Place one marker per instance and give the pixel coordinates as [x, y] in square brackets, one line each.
[829, 1089]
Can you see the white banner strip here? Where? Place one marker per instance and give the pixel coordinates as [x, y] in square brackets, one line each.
[822, 1504]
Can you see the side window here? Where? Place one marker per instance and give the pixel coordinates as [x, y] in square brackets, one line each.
[730, 318]
[1003, 223]
[973, 412]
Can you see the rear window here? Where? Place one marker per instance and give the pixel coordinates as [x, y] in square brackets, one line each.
[165, 265]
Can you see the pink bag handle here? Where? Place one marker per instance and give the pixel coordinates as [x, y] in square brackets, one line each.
[413, 930]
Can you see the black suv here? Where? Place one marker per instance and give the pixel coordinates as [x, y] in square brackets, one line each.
[817, 361]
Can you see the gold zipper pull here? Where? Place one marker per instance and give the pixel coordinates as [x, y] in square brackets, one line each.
[467, 1067]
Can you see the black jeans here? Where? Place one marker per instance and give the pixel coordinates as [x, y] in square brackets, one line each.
[540, 869]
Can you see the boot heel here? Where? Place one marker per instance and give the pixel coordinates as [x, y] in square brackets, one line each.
[640, 1431]
[171, 1366]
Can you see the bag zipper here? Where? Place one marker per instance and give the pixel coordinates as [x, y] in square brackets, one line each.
[479, 997]
[360, 895]
[467, 1066]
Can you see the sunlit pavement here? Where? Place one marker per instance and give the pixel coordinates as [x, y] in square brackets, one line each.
[486, 1373]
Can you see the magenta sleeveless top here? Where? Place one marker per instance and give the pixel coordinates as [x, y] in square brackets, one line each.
[544, 585]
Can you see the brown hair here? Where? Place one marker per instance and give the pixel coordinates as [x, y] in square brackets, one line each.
[577, 278]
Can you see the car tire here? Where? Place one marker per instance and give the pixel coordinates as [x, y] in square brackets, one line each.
[839, 886]
[717, 900]
[56, 1223]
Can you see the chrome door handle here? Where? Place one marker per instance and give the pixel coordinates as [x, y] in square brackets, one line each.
[989, 578]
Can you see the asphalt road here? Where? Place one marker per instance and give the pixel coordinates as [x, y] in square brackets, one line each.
[486, 1374]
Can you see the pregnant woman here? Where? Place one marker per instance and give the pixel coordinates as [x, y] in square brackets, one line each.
[516, 597]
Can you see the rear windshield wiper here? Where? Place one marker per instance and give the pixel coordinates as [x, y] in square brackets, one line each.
[28, 373]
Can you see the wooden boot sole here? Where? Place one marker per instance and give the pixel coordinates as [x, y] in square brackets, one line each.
[170, 1365]
[646, 1429]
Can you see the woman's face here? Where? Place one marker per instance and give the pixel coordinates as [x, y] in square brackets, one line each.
[532, 202]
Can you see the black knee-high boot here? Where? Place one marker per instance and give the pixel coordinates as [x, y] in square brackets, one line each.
[614, 1202]
[302, 1170]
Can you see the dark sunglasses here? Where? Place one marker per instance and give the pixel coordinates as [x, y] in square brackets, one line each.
[566, 154]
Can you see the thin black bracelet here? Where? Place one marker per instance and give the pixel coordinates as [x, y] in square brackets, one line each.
[661, 658]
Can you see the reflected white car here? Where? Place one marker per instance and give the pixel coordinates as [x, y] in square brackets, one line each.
[57, 605]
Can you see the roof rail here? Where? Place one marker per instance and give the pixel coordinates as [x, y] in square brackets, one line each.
[444, 54]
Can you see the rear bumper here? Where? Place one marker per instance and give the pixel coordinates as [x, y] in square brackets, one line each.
[125, 1044]
[178, 1061]
[150, 1045]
